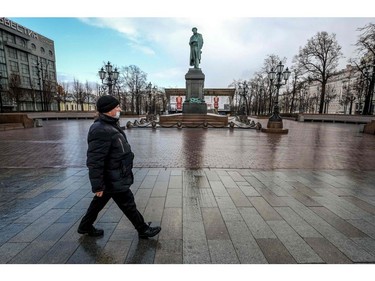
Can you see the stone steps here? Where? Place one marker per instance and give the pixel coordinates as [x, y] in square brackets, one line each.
[193, 120]
[11, 126]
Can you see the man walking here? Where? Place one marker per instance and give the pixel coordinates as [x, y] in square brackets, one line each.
[110, 163]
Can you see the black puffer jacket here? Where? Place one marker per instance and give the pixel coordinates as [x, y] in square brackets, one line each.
[109, 156]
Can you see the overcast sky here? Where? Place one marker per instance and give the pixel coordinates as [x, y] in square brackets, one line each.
[234, 47]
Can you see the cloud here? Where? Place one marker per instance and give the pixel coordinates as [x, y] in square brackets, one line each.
[234, 48]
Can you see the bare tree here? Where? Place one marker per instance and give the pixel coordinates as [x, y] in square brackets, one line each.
[366, 49]
[59, 96]
[330, 95]
[15, 90]
[88, 94]
[79, 94]
[136, 81]
[319, 60]
[67, 95]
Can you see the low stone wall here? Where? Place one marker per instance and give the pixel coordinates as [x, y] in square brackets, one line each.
[370, 128]
[339, 118]
[62, 115]
[16, 118]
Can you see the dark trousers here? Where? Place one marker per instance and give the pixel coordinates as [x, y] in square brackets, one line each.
[125, 201]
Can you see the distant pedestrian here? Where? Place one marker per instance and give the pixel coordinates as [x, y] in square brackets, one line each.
[110, 163]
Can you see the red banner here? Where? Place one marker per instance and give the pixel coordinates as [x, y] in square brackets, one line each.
[216, 102]
[179, 102]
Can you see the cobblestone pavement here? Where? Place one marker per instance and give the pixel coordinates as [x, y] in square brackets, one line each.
[221, 196]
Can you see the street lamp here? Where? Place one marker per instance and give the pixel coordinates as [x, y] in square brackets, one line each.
[277, 78]
[1, 93]
[149, 90]
[39, 73]
[369, 74]
[109, 76]
[242, 90]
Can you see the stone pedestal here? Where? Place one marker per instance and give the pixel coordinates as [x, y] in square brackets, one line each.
[275, 123]
[194, 102]
[275, 126]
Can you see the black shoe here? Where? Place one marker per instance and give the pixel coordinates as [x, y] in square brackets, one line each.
[92, 232]
[149, 232]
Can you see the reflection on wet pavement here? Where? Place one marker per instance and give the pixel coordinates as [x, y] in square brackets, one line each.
[307, 146]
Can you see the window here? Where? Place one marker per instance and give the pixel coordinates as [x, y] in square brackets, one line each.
[12, 53]
[21, 42]
[33, 46]
[50, 53]
[3, 70]
[34, 70]
[33, 59]
[10, 38]
[42, 50]
[51, 65]
[13, 66]
[22, 56]
[25, 69]
[36, 83]
[25, 81]
[52, 75]
[2, 56]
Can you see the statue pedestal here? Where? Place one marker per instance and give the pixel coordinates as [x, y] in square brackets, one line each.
[194, 102]
[195, 108]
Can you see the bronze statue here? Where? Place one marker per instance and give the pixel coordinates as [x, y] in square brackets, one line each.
[196, 43]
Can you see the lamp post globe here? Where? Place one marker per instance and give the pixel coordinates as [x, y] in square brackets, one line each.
[109, 77]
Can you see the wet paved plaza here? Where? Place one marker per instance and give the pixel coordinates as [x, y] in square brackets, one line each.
[220, 195]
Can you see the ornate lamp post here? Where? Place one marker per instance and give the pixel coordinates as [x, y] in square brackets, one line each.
[40, 84]
[1, 93]
[149, 90]
[109, 77]
[369, 75]
[277, 78]
[242, 91]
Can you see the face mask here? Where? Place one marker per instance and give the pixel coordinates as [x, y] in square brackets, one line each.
[117, 116]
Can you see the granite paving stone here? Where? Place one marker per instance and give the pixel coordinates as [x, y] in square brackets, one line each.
[328, 252]
[264, 209]
[296, 246]
[360, 203]
[222, 251]
[247, 189]
[214, 225]
[246, 247]
[239, 199]
[297, 223]
[258, 227]
[174, 198]
[171, 224]
[274, 251]
[341, 225]
[169, 251]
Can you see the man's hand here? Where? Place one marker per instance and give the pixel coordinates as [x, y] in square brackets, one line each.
[99, 193]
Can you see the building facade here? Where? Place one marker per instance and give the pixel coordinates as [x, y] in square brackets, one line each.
[27, 69]
[345, 93]
[217, 99]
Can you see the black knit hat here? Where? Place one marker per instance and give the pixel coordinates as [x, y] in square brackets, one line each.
[106, 104]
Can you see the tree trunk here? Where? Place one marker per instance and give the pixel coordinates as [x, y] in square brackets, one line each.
[322, 97]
